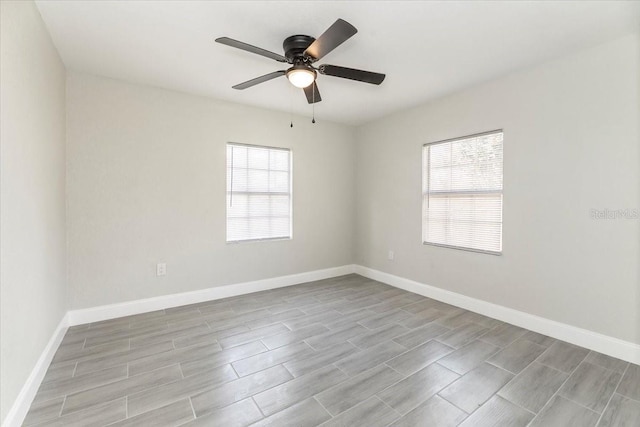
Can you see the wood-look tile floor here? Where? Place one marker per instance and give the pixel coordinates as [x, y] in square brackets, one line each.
[346, 351]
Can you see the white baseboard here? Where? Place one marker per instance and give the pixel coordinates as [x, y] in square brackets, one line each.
[111, 311]
[18, 411]
[605, 344]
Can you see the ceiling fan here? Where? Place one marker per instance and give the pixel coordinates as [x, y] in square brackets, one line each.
[302, 52]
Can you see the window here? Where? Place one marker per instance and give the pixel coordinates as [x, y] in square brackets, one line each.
[462, 193]
[258, 193]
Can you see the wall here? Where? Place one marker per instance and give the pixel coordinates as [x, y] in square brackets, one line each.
[32, 194]
[571, 145]
[146, 184]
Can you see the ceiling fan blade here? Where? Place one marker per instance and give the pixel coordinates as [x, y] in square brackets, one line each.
[352, 74]
[250, 48]
[333, 37]
[259, 80]
[312, 93]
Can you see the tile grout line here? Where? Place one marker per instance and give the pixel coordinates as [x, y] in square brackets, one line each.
[387, 405]
[323, 407]
[604, 367]
[401, 374]
[64, 400]
[193, 411]
[627, 397]
[236, 372]
[334, 365]
[181, 371]
[556, 369]
[507, 344]
[258, 406]
[516, 375]
[519, 406]
[582, 406]
[448, 401]
[548, 402]
[331, 417]
[540, 363]
[506, 370]
[408, 376]
[531, 363]
[613, 394]
[254, 394]
[442, 366]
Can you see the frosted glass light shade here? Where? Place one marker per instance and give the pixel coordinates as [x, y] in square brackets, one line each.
[301, 77]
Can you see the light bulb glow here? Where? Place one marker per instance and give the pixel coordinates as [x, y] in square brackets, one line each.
[301, 77]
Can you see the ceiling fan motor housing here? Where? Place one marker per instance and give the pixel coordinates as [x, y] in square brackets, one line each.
[294, 47]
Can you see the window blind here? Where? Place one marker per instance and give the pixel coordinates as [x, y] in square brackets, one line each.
[258, 193]
[462, 192]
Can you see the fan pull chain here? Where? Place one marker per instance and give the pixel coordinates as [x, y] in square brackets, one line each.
[313, 104]
[291, 107]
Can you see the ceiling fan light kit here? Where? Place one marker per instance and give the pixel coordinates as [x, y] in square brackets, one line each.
[302, 52]
[301, 76]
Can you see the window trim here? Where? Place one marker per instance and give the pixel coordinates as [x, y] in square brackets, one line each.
[426, 168]
[227, 193]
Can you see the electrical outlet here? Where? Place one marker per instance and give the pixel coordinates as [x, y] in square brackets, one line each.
[161, 269]
[390, 255]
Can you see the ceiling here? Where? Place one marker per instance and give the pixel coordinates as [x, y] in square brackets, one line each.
[427, 49]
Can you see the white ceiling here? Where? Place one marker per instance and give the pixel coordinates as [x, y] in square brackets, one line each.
[427, 49]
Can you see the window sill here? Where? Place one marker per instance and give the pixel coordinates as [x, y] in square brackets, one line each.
[462, 248]
[270, 239]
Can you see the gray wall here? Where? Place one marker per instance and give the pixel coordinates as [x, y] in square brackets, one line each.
[32, 194]
[571, 145]
[146, 184]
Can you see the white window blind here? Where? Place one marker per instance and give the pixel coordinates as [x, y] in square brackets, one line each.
[258, 193]
[462, 193]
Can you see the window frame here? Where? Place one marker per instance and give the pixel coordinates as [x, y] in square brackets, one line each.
[426, 170]
[229, 193]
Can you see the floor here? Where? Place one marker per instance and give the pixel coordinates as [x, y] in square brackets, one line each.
[346, 351]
